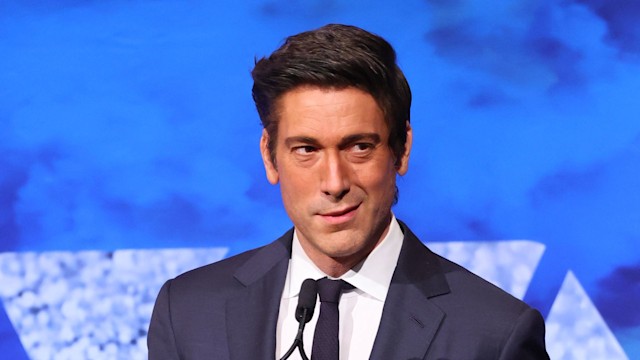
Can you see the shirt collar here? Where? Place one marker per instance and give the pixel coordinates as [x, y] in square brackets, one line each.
[371, 276]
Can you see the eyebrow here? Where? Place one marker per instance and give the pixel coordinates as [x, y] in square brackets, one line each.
[347, 140]
[372, 137]
[290, 141]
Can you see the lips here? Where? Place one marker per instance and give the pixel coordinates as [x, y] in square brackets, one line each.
[340, 216]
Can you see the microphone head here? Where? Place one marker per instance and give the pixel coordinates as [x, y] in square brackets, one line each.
[307, 300]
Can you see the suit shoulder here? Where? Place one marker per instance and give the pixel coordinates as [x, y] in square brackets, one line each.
[213, 280]
[466, 284]
[493, 319]
[234, 272]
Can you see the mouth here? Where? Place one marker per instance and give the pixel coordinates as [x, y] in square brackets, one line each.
[340, 216]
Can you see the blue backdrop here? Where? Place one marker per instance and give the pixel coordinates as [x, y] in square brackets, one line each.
[129, 153]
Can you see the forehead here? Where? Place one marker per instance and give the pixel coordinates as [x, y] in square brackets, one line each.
[329, 110]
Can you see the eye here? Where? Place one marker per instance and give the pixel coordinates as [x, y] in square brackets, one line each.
[303, 150]
[362, 147]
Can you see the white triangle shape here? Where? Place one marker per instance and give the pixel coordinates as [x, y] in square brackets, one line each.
[575, 328]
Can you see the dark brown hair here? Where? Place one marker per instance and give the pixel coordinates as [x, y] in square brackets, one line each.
[334, 56]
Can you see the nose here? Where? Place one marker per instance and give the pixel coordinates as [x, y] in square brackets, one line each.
[335, 176]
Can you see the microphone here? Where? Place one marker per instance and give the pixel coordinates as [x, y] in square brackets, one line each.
[304, 313]
[307, 300]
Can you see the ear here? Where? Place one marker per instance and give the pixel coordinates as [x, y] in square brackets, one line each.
[269, 166]
[403, 164]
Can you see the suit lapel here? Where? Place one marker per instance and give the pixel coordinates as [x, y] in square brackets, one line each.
[252, 315]
[409, 320]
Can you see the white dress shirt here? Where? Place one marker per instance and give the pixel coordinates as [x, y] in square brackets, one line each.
[360, 309]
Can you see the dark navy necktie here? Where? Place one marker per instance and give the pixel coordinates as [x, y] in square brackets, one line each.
[326, 345]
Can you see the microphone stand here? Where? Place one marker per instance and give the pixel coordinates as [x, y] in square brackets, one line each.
[304, 312]
[298, 342]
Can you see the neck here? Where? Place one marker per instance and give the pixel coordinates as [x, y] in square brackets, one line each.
[336, 265]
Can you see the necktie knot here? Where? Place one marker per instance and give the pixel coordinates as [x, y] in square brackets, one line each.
[330, 290]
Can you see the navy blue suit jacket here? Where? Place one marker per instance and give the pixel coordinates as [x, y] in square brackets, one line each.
[435, 309]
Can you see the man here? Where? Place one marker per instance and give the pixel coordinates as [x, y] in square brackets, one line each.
[335, 110]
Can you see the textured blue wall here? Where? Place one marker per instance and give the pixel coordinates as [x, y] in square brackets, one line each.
[129, 124]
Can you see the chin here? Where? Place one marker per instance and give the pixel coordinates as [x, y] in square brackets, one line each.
[346, 252]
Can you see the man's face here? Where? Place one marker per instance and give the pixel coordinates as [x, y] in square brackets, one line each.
[336, 171]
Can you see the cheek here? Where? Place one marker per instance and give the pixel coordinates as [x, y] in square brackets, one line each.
[382, 179]
[294, 189]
